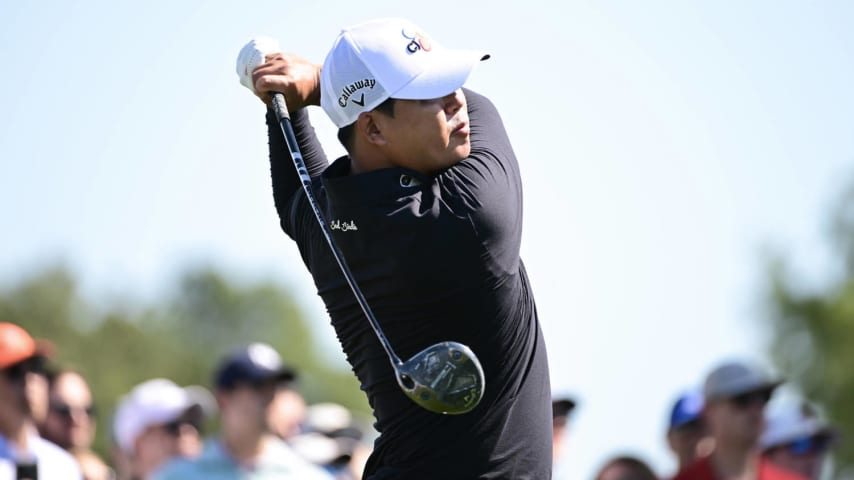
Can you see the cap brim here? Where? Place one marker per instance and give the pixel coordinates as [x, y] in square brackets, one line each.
[448, 70]
[284, 375]
[201, 397]
[562, 407]
[740, 390]
[776, 436]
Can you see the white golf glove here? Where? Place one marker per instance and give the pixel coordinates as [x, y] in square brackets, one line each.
[251, 55]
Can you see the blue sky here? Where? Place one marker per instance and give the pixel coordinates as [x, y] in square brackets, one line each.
[664, 145]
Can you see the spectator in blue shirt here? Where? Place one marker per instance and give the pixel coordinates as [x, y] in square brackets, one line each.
[246, 382]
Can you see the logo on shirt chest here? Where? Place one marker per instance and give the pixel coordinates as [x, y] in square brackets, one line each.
[343, 226]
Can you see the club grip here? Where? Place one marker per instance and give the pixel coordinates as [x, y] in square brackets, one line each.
[280, 106]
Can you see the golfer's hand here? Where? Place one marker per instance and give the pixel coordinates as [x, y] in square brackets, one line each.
[296, 78]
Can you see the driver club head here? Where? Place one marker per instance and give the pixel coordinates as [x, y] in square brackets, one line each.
[443, 378]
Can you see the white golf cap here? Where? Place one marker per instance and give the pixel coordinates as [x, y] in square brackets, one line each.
[330, 434]
[793, 423]
[388, 58]
[155, 402]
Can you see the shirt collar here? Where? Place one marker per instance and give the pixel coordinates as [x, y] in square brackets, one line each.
[369, 187]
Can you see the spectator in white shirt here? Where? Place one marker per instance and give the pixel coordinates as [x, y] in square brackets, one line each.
[23, 454]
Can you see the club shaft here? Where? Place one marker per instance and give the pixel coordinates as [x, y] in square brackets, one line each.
[284, 117]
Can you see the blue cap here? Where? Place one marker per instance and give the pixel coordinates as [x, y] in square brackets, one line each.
[255, 363]
[687, 409]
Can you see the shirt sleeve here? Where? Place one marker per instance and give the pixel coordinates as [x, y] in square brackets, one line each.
[286, 182]
[486, 186]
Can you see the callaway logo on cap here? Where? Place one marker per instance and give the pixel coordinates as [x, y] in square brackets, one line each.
[388, 58]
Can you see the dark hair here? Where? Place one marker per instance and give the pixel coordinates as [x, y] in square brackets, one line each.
[636, 469]
[345, 133]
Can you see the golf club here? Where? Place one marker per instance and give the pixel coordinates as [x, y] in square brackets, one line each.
[443, 378]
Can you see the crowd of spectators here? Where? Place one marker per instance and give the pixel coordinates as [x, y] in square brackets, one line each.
[48, 421]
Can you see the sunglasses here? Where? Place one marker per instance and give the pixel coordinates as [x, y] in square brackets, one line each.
[17, 372]
[173, 428]
[66, 411]
[803, 446]
[748, 399]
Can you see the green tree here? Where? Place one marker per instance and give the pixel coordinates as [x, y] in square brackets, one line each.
[814, 332]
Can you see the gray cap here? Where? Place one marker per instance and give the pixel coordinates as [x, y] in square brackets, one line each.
[734, 378]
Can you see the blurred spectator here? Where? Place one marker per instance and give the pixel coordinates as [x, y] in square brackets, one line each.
[70, 421]
[155, 422]
[38, 384]
[287, 411]
[332, 438]
[686, 433]
[735, 395]
[246, 382]
[626, 468]
[23, 453]
[562, 408]
[795, 439]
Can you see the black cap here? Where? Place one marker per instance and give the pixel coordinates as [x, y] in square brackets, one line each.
[562, 407]
[254, 363]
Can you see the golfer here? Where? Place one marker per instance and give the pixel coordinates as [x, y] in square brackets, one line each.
[427, 209]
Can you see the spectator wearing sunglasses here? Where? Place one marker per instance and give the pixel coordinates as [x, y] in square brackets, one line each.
[23, 453]
[70, 421]
[796, 439]
[246, 382]
[687, 435]
[156, 422]
[335, 439]
[735, 394]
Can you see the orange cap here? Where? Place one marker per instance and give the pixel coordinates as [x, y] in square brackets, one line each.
[15, 344]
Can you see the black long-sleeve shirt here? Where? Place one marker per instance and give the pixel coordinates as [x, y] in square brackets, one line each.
[437, 258]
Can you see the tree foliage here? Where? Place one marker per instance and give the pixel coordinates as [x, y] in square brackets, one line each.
[180, 336]
[814, 333]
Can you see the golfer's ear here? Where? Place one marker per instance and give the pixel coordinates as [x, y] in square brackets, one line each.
[369, 127]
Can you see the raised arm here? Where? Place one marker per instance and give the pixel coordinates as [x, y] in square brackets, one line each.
[286, 182]
[299, 81]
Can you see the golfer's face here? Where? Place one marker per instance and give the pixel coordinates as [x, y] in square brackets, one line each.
[429, 135]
